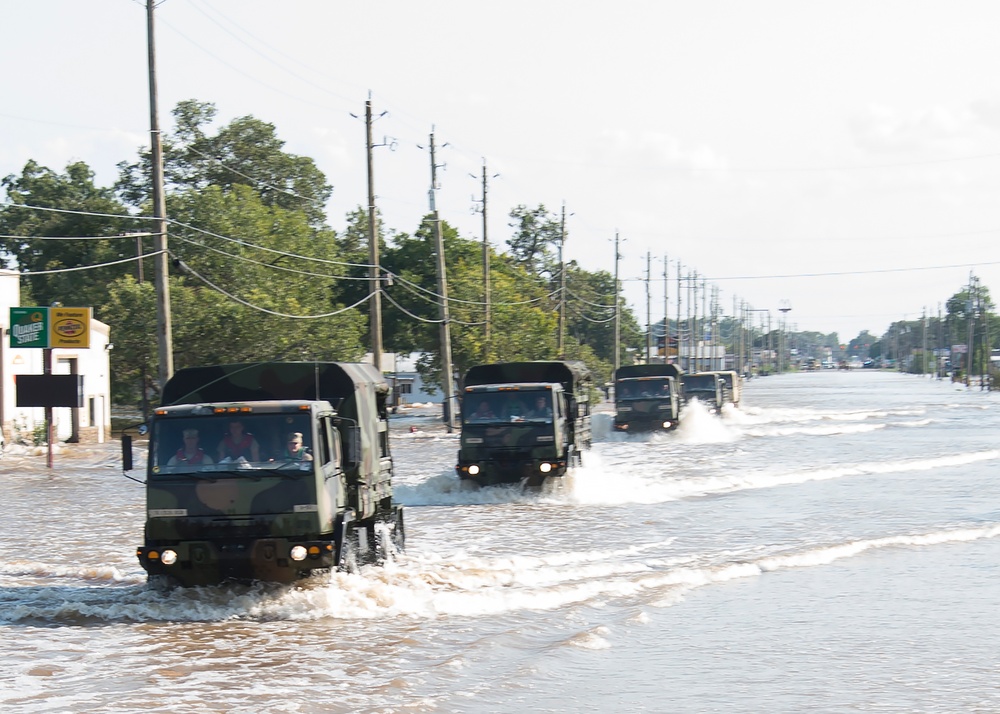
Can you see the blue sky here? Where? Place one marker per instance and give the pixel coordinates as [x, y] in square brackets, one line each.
[839, 158]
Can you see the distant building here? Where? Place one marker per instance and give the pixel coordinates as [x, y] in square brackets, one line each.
[92, 421]
[407, 385]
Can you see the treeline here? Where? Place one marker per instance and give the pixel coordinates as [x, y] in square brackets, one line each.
[259, 274]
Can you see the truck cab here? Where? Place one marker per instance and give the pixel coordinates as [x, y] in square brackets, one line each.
[647, 398]
[304, 485]
[706, 387]
[523, 431]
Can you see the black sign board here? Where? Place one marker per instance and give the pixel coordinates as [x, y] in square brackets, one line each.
[49, 390]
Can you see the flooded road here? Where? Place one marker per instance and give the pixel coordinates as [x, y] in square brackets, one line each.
[834, 545]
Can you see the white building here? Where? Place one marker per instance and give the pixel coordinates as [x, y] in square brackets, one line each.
[407, 384]
[92, 421]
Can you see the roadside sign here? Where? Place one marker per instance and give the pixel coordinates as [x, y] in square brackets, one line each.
[29, 327]
[47, 327]
[69, 327]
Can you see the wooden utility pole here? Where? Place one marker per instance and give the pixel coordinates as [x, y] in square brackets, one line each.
[649, 309]
[447, 379]
[677, 323]
[666, 311]
[374, 277]
[618, 327]
[487, 346]
[163, 331]
[562, 284]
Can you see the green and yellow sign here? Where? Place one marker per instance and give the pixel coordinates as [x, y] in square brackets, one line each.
[47, 327]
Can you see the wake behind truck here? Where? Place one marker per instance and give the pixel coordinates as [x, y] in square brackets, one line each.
[523, 422]
[311, 490]
[647, 397]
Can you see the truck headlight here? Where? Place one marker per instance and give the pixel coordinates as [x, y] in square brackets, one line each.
[473, 469]
[545, 467]
[168, 557]
[666, 425]
[298, 552]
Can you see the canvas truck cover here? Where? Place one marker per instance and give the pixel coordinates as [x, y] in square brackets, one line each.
[647, 370]
[573, 375]
[273, 381]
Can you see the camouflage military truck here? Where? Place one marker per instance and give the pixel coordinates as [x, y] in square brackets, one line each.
[523, 421]
[732, 386]
[305, 485]
[646, 397]
[706, 387]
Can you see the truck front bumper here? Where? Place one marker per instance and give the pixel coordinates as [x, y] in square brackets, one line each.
[278, 560]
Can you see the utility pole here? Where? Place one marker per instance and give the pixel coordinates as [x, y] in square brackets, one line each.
[677, 322]
[487, 344]
[971, 316]
[618, 327]
[649, 309]
[447, 379]
[374, 277]
[923, 349]
[666, 310]
[164, 333]
[562, 284]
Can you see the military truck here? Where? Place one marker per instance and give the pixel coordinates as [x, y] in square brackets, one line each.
[314, 493]
[523, 422]
[706, 387]
[647, 397]
[732, 386]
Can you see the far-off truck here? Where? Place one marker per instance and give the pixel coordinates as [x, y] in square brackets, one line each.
[647, 398]
[523, 422]
[311, 488]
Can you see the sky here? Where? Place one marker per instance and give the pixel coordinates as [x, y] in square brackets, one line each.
[838, 160]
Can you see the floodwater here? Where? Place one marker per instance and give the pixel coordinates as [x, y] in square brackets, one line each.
[833, 546]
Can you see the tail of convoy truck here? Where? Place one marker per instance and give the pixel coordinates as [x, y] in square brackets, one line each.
[647, 397]
[302, 483]
[523, 422]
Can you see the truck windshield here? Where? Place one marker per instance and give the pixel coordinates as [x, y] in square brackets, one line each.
[629, 389]
[700, 383]
[507, 407]
[223, 443]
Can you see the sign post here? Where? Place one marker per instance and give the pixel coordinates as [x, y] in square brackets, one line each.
[46, 328]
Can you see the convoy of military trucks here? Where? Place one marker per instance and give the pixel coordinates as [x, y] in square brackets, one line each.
[274, 471]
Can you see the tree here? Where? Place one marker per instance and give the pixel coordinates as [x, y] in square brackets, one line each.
[245, 152]
[84, 211]
[537, 233]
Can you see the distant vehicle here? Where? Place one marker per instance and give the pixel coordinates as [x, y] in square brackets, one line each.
[869, 364]
[706, 387]
[647, 397]
[732, 386]
[524, 422]
[314, 494]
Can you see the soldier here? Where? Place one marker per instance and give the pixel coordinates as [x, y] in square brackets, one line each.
[238, 443]
[294, 448]
[190, 453]
[542, 410]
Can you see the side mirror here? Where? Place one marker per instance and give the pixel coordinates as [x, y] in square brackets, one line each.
[126, 452]
[352, 447]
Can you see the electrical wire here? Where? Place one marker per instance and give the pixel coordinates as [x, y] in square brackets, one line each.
[30, 273]
[188, 269]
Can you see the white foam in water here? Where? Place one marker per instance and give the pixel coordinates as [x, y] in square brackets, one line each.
[700, 426]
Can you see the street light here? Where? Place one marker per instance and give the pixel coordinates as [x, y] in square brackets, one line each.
[785, 308]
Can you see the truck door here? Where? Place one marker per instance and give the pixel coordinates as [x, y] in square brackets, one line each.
[330, 458]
